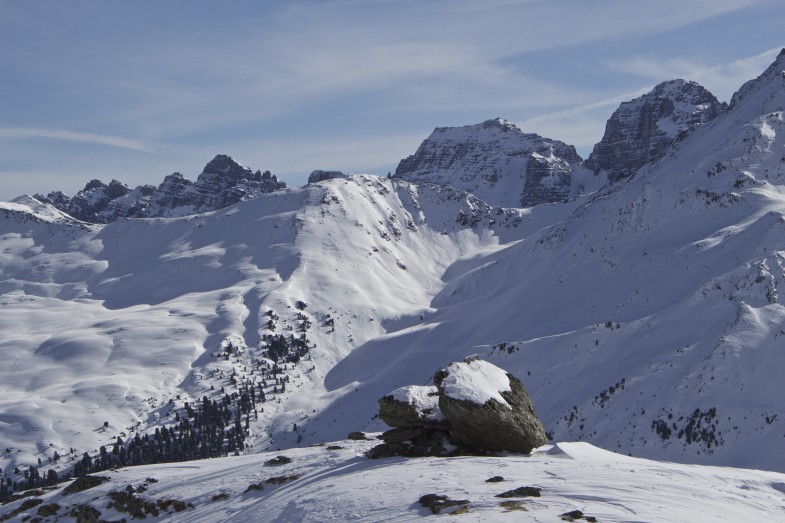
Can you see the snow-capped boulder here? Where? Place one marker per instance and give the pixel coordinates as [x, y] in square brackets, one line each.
[412, 406]
[498, 163]
[488, 408]
[639, 131]
[320, 176]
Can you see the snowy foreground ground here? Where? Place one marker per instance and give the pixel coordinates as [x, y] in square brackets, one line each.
[343, 485]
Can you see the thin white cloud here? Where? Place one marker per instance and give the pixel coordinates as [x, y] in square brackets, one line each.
[722, 80]
[21, 133]
[581, 126]
[433, 55]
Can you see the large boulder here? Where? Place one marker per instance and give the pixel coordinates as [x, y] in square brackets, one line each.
[488, 408]
[412, 406]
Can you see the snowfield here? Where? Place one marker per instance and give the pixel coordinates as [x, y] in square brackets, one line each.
[337, 483]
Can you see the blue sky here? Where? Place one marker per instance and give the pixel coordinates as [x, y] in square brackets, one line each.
[137, 90]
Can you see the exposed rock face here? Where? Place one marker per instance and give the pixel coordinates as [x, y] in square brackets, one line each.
[474, 407]
[640, 130]
[223, 182]
[320, 176]
[498, 163]
[488, 408]
[412, 406]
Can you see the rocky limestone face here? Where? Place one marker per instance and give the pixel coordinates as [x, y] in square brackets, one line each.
[222, 183]
[488, 409]
[91, 203]
[498, 163]
[640, 130]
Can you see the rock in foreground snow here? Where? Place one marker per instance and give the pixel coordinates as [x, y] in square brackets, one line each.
[488, 408]
[474, 407]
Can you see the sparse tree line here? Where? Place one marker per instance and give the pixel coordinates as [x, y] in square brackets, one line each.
[209, 428]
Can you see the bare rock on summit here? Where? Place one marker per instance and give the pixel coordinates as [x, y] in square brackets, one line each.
[222, 183]
[498, 163]
[320, 176]
[640, 131]
[488, 408]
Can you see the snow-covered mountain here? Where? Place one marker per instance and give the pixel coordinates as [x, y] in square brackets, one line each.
[651, 320]
[645, 318]
[110, 329]
[499, 164]
[223, 182]
[639, 131]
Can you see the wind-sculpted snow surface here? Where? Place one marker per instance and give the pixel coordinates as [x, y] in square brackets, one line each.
[336, 483]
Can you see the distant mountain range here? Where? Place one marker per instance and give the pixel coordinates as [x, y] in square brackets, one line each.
[223, 182]
[493, 160]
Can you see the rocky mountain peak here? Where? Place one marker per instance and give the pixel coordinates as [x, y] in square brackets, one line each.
[499, 124]
[320, 176]
[93, 185]
[640, 130]
[223, 182]
[226, 165]
[498, 163]
[766, 93]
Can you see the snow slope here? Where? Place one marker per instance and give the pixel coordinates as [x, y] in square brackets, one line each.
[650, 321]
[336, 483]
[108, 330]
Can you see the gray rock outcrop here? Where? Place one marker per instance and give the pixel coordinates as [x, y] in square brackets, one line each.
[320, 176]
[223, 182]
[498, 163]
[640, 130]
